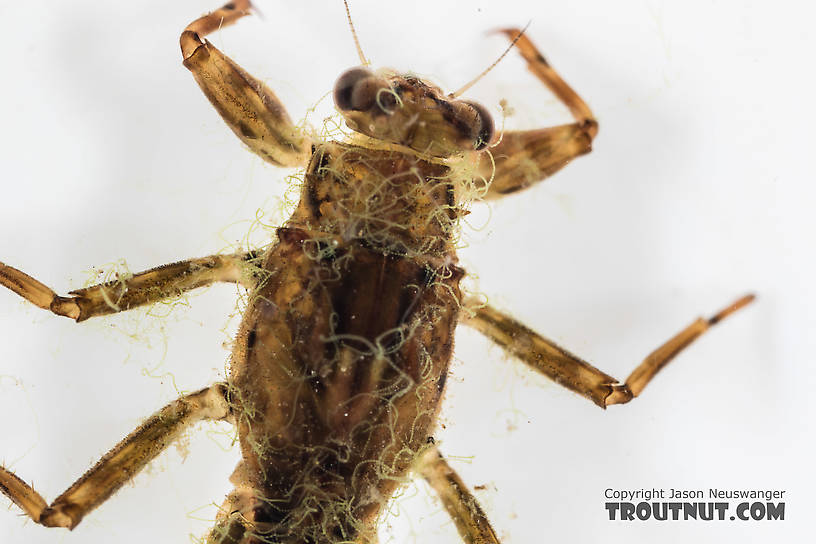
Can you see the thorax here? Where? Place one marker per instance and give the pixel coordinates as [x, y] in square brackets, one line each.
[395, 200]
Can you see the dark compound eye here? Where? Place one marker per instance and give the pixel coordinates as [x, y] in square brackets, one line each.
[482, 128]
[351, 92]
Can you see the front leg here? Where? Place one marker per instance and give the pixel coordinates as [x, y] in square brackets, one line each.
[523, 158]
[249, 107]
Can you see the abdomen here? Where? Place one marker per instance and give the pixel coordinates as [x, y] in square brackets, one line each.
[336, 379]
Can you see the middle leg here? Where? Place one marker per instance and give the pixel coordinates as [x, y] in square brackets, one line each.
[143, 288]
[571, 371]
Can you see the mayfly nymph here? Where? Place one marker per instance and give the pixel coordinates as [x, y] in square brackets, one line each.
[341, 360]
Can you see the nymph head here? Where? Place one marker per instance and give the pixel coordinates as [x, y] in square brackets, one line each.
[405, 110]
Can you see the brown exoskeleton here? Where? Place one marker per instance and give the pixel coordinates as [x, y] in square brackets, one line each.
[341, 360]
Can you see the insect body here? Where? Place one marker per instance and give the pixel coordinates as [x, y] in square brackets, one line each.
[341, 359]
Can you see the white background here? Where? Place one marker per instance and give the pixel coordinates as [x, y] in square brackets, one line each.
[700, 189]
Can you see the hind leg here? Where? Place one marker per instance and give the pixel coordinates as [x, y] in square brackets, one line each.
[120, 464]
[461, 505]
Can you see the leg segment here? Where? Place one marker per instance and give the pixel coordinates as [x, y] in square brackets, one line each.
[143, 288]
[121, 463]
[573, 373]
[460, 504]
[249, 107]
[522, 158]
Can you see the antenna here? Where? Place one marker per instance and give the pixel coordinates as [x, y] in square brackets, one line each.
[470, 84]
[363, 60]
